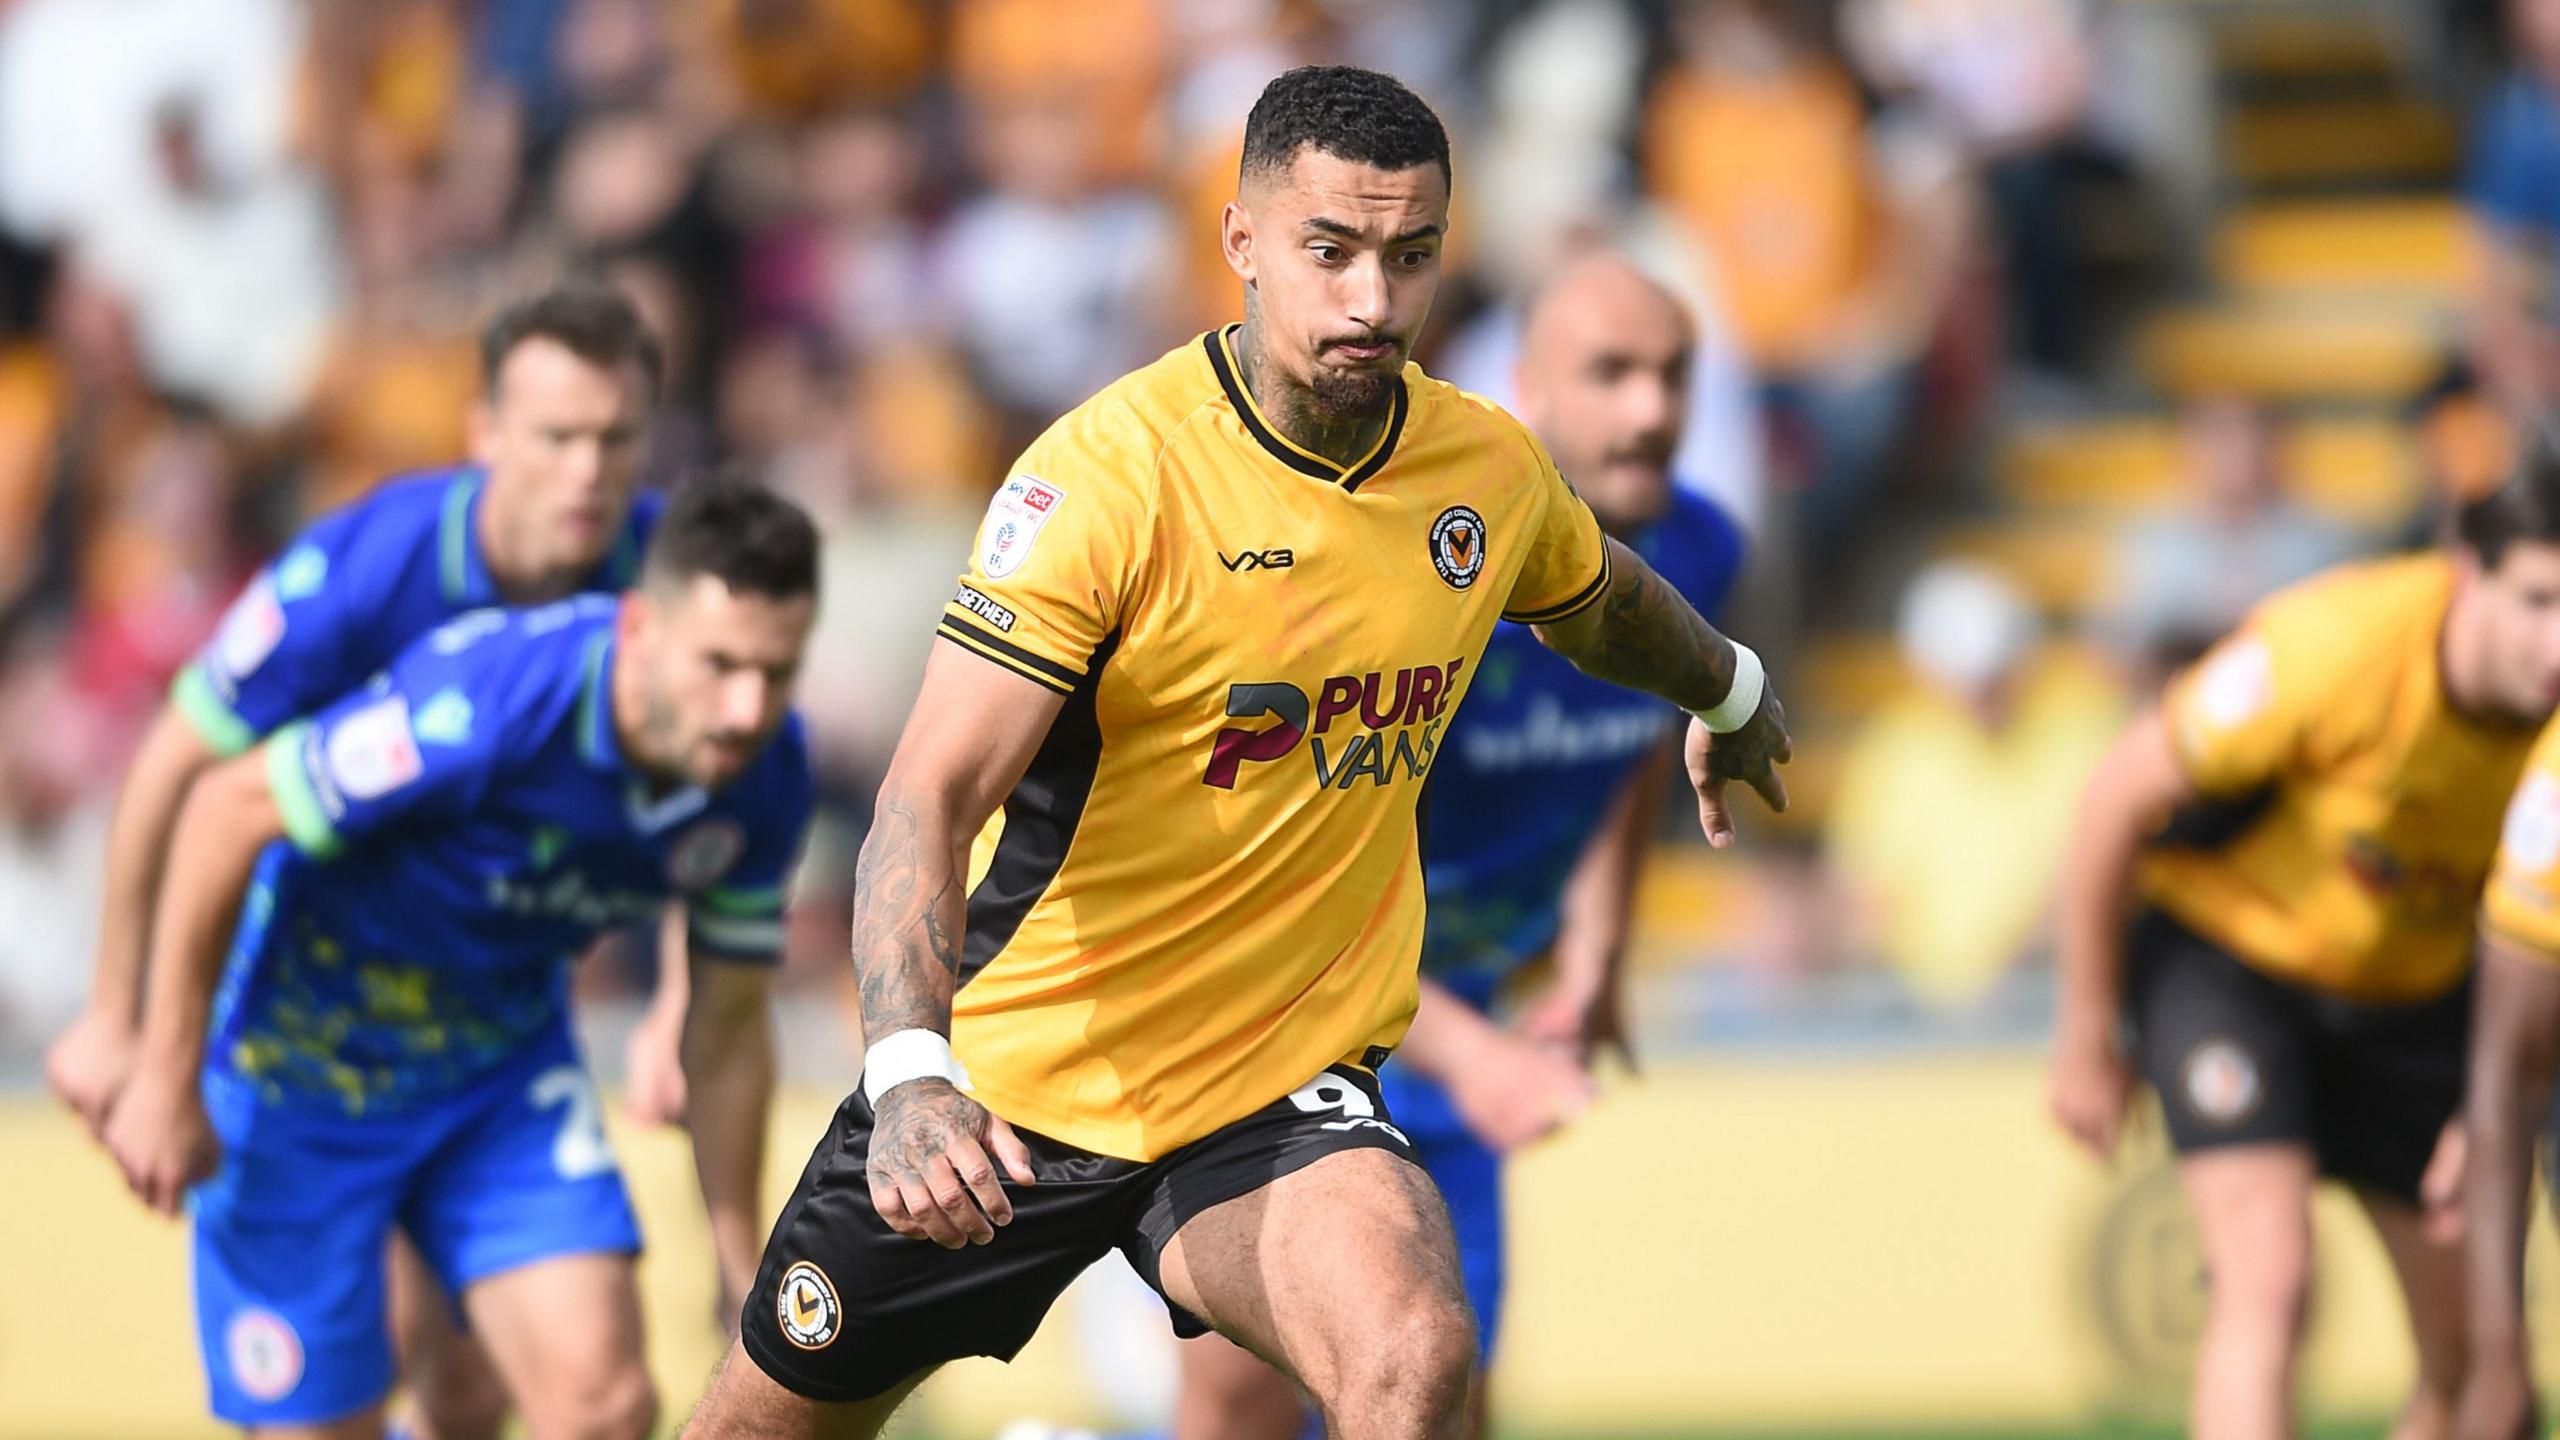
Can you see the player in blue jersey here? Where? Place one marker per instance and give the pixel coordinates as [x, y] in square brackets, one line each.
[387, 1044]
[546, 509]
[1536, 819]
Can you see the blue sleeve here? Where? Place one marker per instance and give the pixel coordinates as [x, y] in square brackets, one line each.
[740, 916]
[280, 651]
[420, 744]
[2508, 177]
[1711, 554]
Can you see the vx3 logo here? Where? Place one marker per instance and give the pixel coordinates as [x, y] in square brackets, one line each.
[1258, 560]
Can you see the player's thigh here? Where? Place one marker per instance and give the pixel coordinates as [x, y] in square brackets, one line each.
[845, 1309]
[745, 1403]
[453, 1388]
[288, 1245]
[1230, 1393]
[368, 1425]
[1307, 1233]
[2231, 1051]
[556, 1365]
[2252, 1206]
[2430, 1271]
[1469, 1176]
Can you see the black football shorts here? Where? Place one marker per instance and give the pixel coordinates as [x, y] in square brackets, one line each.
[2240, 1057]
[844, 1308]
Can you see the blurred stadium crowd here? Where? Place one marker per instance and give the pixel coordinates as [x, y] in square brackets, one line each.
[2040, 338]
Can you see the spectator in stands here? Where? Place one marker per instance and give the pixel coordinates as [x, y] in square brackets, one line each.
[1955, 799]
[2185, 577]
[2513, 193]
[1835, 252]
[1052, 272]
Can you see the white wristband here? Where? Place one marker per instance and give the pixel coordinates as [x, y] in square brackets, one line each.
[1741, 699]
[904, 1055]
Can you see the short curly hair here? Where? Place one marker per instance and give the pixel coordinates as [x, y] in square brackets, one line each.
[1353, 114]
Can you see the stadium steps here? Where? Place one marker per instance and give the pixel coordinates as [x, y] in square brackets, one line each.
[2403, 247]
[2063, 563]
[2390, 139]
[2358, 470]
[2310, 347]
[2318, 44]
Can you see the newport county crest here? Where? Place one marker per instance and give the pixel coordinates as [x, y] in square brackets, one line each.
[1457, 546]
[805, 1306]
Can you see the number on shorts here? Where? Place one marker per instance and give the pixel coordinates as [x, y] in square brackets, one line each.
[579, 1150]
[1331, 1092]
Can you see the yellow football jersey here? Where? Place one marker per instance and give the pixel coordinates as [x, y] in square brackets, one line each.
[1206, 888]
[2363, 874]
[2523, 900]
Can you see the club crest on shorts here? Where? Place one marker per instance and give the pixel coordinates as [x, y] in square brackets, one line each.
[805, 1306]
[2221, 1082]
[1457, 546]
[265, 1353]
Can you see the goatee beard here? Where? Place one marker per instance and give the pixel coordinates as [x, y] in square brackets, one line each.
[1352, 394]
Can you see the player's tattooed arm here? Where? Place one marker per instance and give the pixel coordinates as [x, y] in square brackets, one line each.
[933, 1154]
[1645, 635]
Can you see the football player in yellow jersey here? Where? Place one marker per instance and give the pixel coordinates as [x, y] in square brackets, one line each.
[2294, 973]
[1141, 910]
[2515, 1055]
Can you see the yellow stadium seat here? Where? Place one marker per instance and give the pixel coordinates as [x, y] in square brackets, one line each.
[2358, 470]
[2064, 563]
[2398, 246]
[2313, 348]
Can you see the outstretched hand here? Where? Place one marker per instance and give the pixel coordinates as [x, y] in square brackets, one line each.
[1749, 755]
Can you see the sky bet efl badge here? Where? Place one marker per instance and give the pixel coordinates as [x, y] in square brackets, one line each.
[805, 1305]
[1457, 546]
[1014, 519]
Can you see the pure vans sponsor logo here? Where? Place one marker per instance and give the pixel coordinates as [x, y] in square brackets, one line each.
[977, 602]
[1390, 725]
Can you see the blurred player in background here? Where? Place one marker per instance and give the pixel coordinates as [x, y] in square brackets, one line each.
[1200, 663]
[1537, 818]
[399, 881]
[2296, 977]
[547, 508]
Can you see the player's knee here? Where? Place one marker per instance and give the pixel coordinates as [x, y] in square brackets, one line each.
[1419, 1362]
[2265, 1290]
[465, 1405]
[607, 1402]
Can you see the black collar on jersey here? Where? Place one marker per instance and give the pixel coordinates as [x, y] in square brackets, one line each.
[1305, 462]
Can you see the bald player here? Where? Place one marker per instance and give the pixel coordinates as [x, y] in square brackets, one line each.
[1540, 809]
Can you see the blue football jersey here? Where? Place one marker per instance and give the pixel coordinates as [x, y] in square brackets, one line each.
[349, 594]
[460, 829]
[1531, 764]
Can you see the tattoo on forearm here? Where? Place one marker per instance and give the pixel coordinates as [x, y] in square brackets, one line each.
[1647, 637]
[906, 925]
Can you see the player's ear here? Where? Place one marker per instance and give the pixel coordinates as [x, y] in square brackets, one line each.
[1235, 239]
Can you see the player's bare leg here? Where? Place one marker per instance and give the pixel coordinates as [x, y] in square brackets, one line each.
[744, 1403]
[2430, 1271]
[565, 1334]
[454, 1389]
[2253, 1205]
[1344, 1274]
[1230, 1393]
